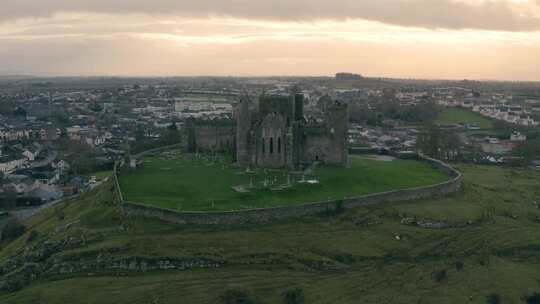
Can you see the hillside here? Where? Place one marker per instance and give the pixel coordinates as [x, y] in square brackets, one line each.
[431, 251]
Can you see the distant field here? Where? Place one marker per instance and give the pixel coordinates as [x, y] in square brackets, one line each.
[452, 116]
[185, 183]
[211, 98]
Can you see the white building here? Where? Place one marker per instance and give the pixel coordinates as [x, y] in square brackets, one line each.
[517, 136]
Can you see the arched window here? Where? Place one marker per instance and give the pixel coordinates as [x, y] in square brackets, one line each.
[279, 145]
[271, 145]
[263, 145]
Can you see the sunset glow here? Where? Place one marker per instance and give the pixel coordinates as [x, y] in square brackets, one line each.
[186, 39]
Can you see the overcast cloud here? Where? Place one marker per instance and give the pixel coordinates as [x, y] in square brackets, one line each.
[482, 39]
[450, 14]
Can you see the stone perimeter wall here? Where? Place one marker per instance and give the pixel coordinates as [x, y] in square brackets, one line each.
[269, 214]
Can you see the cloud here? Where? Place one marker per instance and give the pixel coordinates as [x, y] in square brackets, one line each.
[406, 38]
[142, 57]
[447, 14]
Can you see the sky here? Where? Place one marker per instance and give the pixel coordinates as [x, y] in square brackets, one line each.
[430, 39]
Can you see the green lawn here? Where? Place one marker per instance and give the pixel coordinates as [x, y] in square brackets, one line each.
[185, 183]
[450, 116]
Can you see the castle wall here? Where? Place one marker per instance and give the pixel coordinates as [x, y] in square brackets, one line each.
[243, 134]
[210, 137]
[322, 147]
[283, 105]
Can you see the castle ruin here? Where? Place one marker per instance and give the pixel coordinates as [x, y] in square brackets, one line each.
[275, 133]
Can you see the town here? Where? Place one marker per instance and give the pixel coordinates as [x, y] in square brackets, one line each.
[59, 139]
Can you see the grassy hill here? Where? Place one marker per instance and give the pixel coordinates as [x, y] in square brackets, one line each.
[488, 244]
[183, 182]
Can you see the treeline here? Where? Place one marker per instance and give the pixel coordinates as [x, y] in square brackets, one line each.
[169, 136]
[529, 150]
[439, 143]
[375, 114]
[81, 158]
[10, 200]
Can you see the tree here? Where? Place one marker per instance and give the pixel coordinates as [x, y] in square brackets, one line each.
[528, 150]
[493, 299]
[439, 276]
[6, 107]
[139, 133]
[20, 112]
[32, 236]
[429, 141]
[171, 135]
[438, 143]
[534, 298]
[360, 113]
[450, 145]
[294, 296]
[237, 297]
[95, 107]
[9, 199]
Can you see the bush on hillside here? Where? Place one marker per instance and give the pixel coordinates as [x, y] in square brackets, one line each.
[294, 296]
[493, 299]
[533, 299]
[234, 296]
[12, 230]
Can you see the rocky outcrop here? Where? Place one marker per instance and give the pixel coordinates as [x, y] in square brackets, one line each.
[52, 259]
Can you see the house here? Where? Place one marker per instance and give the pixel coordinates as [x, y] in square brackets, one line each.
[70, 190]
[61, 166]
[23, 186]
[517, 136]
[12, 135]
[31, 152]
[9, 163]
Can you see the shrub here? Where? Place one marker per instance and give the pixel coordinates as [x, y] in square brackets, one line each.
[459, 265]
[294, 296]
[440, 275]
[338, 209]
[533, 299]
[12, 230]
[234, 296]
[493, 299]
[32, 236]
[59, 214]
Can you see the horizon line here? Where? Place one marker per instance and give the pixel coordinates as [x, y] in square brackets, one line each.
[119, 76]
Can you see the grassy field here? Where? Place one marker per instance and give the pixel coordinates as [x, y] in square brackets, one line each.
[101, 175]
[210, 98]
[353, 257]
[184, 182]
[450, 116]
